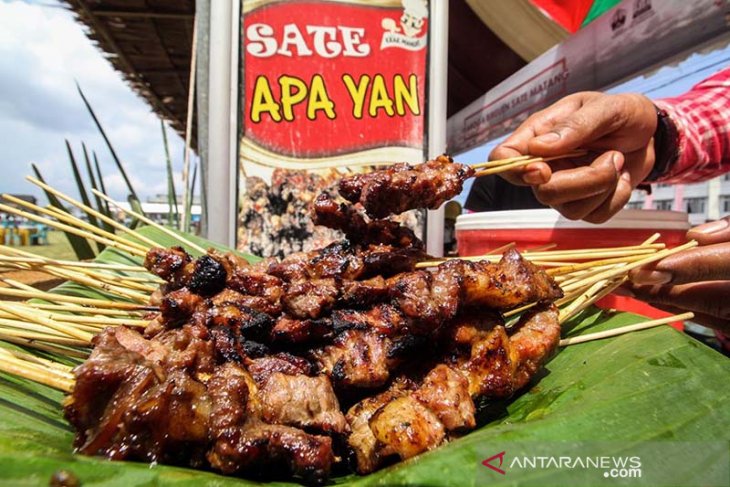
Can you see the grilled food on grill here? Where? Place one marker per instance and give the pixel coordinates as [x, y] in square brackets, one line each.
[288, 367]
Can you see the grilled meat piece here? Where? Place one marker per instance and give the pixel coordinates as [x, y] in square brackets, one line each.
[263, 368]
[310, 299]
[179, 305]
[251, 282]
[402, 187]
[356, 358]
[125, 406]
[406, 427]
[346, 218]
[262, 449]
[445, 392]
[167, 263]
[362, 441]
[302, 401]
[534, 339]
[497, 364]
[433, 297]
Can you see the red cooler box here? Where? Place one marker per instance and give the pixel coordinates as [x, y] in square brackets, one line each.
[478, 233]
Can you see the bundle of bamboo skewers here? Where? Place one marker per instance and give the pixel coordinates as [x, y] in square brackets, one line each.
[63, 325]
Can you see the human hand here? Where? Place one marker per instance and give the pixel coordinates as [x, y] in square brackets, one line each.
[696, 280]
[617, 129]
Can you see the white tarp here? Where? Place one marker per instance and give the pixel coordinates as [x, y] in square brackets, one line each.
[631, 37]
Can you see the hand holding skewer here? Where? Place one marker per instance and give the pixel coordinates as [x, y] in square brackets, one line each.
[618, 127]
[696, 280]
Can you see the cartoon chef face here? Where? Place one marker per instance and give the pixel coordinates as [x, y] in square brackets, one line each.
[414, 15]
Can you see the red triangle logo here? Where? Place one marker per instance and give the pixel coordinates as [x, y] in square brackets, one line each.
[488, 462]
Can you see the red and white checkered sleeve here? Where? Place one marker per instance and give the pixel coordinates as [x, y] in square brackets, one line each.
[702, 119]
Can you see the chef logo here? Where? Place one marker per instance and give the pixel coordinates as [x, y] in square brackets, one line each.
[409, 31]
[497, 468]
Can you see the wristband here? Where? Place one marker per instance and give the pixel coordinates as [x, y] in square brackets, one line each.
[666, 149]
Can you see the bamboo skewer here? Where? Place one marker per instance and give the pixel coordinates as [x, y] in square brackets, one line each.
[625, 329]
[93, 212]
[100, 303]
[74, 230]
[107, 282]
[36, 317]
[66, 351]
[72, 220]
[150, 222]
[495, 167]
[99, 284]
[28, 357]
[501, 162]
[80, 309]
[85, 320]
[14, 366]
[624, 269]
[553, 256]
[69, 263]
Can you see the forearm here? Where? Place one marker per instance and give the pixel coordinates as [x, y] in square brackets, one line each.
[701, 119]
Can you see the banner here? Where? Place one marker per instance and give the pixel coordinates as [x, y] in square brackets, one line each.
[622, 42]
[324, 84]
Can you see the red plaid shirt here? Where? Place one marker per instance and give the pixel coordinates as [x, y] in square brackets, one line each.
[702, 119]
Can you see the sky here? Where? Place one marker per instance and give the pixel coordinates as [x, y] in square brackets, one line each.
[43, 52]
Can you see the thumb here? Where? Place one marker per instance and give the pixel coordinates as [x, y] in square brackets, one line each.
[712, 232]
[577, 130]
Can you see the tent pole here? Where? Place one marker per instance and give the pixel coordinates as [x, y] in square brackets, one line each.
[221, 161]
[437, 74]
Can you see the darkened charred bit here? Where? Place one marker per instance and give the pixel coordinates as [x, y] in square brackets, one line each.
[402, 187]
[209, 276]
[290, 330]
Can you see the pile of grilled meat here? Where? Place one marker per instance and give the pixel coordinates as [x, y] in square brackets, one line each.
[345, 356]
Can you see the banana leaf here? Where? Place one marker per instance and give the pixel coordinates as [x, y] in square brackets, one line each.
[634, 388]
[101, 183]
[117, 161]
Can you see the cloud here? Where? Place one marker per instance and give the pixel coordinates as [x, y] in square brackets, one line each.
[43, 51]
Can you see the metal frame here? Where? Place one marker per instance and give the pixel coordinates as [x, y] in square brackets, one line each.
[438, 58]
[222, 168]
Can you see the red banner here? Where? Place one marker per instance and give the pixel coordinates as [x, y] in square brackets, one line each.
[325, 79]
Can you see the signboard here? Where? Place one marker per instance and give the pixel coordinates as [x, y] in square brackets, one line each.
[325, 84]
[624, 41]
